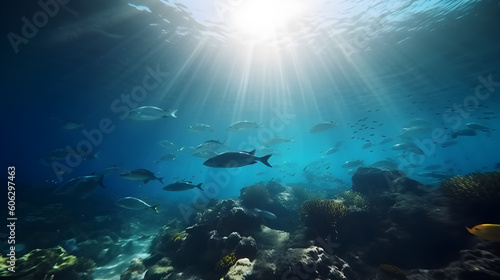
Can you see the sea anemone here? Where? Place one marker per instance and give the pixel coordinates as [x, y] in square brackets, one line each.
[255, 196]
[476, 193]
[322, 215]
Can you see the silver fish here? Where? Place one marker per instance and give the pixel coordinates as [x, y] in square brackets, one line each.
[200, 127]
[140, 174]
[242, 126]
[320, 127]
[133, 203]
[148, 113]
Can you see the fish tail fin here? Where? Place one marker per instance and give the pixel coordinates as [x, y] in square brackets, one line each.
[172, 113]
[199, 186]
[469, 230]
[160, 179]
[100, 181]
[155, 207]
[264, 160]
[146, 181]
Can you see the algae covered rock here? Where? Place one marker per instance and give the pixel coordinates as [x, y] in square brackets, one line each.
[40, 262]
[240, 270]
[370, 180]
[159, 271]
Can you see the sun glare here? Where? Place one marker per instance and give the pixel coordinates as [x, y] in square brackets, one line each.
[264, 19]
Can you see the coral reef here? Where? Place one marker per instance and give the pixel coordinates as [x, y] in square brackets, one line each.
[322, 215]
[255, 196]
[353, 199]
[474, 195]
[226, 262]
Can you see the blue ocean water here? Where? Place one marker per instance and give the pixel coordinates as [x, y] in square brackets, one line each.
[372, 67]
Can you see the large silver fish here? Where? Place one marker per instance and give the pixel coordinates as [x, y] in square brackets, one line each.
[133, 203]
[320, 127]
[140, 175]
[242, 126]
[148, 113]
[236, 159]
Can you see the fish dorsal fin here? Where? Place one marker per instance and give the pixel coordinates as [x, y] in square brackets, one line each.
[252, 152]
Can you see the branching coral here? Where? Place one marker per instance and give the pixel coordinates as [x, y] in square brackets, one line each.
[353, 199]
[322, 215]
[474, 193]
[255, 196]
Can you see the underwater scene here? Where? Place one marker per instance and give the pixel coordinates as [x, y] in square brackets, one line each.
[250, 139]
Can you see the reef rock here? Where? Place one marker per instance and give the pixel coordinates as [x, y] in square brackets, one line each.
[370, 180]
[303, 263]
[240, 270]
[473, 264]
[161, 270]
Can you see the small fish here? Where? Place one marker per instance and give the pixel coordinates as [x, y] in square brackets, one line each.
[276, 140]
[385, 140]
[320, 127]
[352, 163]
[133, 203]
[486, 231]
[331, 151]
[414, 131]
[141, 175]
[167, 144]
[242, 126]
[477, 126]
[148, 113]
[166, 157]
[181, 186]
[265, 214]
[200, 127]
[212, 145]
[367, 145]
[464, 132]
[236, 159]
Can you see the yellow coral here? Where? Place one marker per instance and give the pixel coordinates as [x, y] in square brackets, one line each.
[177, 237]
[226, 262]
